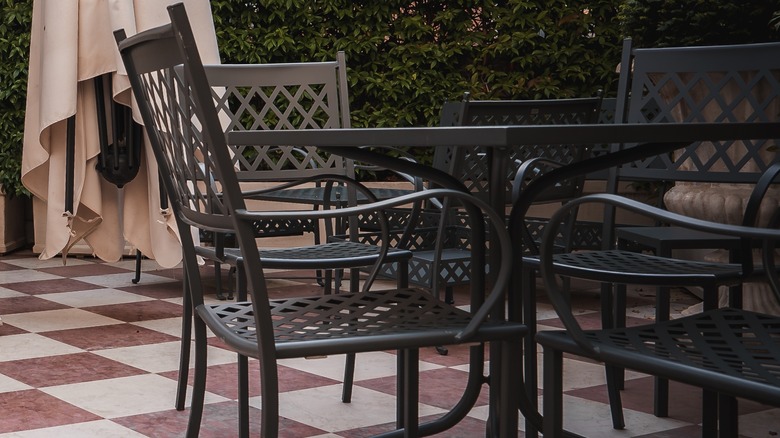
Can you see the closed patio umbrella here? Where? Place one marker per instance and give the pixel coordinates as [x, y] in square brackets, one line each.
[71, 44]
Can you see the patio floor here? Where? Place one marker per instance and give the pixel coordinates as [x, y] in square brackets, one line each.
[86, 353]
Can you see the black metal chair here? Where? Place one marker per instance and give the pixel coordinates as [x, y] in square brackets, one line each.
[664, 84]
[729, 352]
[200, 177]
[288, 96]
[442, 263]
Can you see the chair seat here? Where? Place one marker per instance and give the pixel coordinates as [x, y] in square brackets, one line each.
[729, 350]
[626, 266]
[335, 255]
[352, 323]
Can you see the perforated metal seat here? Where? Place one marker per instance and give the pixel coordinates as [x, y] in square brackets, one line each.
[734, 349]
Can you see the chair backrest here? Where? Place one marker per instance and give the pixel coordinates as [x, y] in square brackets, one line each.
[188, 141]
[469, 164]
[304, 95]
[702, 84]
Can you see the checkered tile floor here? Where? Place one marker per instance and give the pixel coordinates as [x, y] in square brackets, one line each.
[86, 353]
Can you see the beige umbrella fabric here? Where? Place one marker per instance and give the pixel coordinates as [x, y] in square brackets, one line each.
[72, 42]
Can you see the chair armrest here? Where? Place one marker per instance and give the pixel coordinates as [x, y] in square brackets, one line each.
[530, 170]
[559, 299]
[477, 210]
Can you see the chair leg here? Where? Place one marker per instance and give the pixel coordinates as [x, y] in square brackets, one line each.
[611, 307]
[199, 382]
[613, 393]
[184, 353]
[411, 385]
[552, 400]
[510, 388]
[662, 311]
[349, 378]
[728, 416]
[709, 414]
[243, 396]
[529, 347]
[218, 281]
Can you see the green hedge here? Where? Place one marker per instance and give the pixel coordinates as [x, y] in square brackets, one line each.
[15, 21]
[404, 60]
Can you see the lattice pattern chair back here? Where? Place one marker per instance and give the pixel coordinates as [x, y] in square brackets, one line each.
[704, 84]
[192, 180]
[309, 95]
[471, 163]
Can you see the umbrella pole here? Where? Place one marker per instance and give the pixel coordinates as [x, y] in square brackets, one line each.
[70, 152]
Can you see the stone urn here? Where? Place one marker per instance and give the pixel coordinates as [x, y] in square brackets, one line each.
[725, 202]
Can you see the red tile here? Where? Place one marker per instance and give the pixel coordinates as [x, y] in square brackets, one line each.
[219, 420]
[27, 304]
[33, 409]
[109, 336]
[65, 369]
[8, 267]
[140, 311]
[8, 329]
[684, 400]
[441, 387]
[51, 286]
[467, 428]
[85, 270]
[223, 379]
[156, 290]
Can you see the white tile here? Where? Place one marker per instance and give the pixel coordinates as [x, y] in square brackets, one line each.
[62, 319]
[25, 276]
[55, 262]
[367, 408]
[578, 374]
[100, 428]
[169, 326]
[593, 419]
[159, 358]
[367, 365]
[8, 384]
[124, 396]
[8, 293]
[31, 345]
[760, 424]
[94, 297]
[123, 279]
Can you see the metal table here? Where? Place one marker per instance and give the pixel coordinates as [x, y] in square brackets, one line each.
[650, 139]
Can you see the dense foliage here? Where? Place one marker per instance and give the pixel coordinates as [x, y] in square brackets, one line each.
[15, 21]
[404, 58]
[667, 23]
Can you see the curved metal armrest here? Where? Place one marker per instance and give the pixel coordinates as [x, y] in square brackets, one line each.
[415, 181]
[747, 232]
[325, 178]
[477, 211]
[524, 170]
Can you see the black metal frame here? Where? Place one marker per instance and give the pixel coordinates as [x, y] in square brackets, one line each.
[622, 267]
[188, 141]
